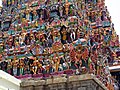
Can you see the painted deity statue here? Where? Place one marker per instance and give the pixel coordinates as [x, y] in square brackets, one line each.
[78, 52]
[56, 35]
[67, 4]
[56, 60]
[21, 66]
[57, 45]
[34, 66]
[9, 67]
[63, 33]
[14, 64]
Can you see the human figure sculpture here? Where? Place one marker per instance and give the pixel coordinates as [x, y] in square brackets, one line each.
[67, 4]
[34, 66]
[14, 64]
[21, 67]
[9, 67]
[56, 60]
[63, 33]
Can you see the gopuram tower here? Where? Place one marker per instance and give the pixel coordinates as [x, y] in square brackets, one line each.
[58, 44]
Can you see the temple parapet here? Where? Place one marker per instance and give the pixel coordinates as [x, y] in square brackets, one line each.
[79, 82]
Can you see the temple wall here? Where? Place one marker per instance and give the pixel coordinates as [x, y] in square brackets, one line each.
[8, 82]
[80, 82]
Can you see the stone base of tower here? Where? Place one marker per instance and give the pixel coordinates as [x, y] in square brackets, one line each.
[79, 82]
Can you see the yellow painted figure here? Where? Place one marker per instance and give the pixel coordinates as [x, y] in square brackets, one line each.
[67, 4]
[56, 60]
[34, 66]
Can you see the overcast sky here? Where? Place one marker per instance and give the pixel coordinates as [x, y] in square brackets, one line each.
[0, 2]
[113, 8]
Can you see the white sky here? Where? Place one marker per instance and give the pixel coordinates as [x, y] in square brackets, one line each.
[0, 2]
[114, 10]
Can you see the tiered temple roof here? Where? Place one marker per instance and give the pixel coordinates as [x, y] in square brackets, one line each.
[39, 38]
